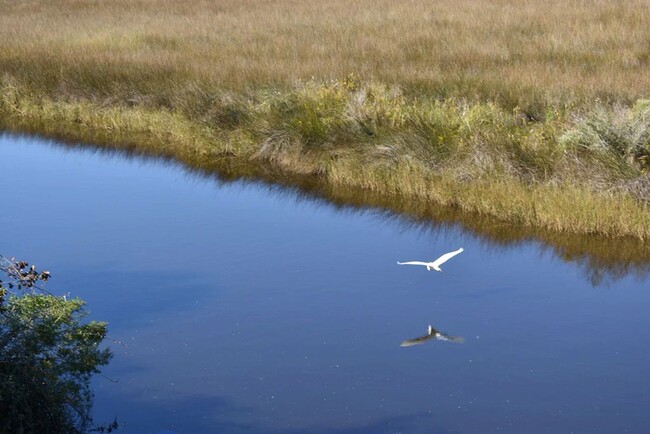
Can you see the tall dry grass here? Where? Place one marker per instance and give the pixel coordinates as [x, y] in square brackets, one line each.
[522, 53]
[528, 111]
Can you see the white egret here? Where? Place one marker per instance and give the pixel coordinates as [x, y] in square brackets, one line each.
[432, 334]
[435, 264]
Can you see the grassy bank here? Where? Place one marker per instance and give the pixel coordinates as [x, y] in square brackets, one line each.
[477, 157]
[531, 113]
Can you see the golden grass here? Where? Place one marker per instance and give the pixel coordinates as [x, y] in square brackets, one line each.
[528, 111]
[521, 52]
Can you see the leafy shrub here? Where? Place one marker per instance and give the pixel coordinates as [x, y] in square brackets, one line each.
[47, 356]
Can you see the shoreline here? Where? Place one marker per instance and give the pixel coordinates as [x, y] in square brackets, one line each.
[316, 132]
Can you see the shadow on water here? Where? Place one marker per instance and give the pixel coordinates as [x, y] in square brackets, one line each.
[602, 259]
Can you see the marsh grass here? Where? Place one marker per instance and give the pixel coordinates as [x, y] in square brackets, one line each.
[528, 53]
[530, 112]
[475, 157]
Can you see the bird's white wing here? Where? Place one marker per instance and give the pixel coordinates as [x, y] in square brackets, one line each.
[447, 338]
[444, 258]
[410, 343]
[416, 341]
[414, 263]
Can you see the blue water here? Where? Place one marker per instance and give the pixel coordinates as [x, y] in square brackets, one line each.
[243, 308]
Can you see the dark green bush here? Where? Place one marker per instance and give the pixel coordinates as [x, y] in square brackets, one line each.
[47, 356]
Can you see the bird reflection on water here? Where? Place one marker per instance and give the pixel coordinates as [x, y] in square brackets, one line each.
[432, 334]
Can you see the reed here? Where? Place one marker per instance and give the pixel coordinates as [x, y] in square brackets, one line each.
[526, 53]
[531, 112]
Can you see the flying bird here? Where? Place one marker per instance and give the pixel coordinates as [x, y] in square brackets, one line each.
[432, 334]
[435, 264]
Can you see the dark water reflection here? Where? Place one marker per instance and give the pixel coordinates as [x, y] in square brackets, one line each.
[248, 307]
[602, 260]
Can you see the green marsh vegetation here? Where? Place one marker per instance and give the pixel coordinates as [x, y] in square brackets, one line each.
[48, 352]
[532, 113]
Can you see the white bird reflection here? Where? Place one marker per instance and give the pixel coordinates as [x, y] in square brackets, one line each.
[432, 334]
[435, 264]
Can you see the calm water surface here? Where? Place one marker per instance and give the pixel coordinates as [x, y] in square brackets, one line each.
[246, 309]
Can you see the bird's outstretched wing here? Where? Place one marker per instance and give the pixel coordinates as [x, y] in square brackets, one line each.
[444, 258]
[416, 341]
[447, 338]
[414, 263]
